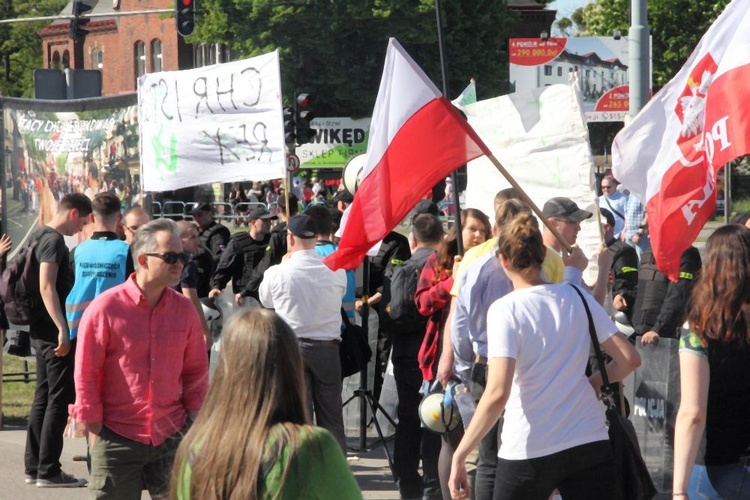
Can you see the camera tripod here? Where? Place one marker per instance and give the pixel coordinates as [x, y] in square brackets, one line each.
[365, 395]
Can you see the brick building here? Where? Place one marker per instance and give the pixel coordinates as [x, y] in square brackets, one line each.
[122, 47]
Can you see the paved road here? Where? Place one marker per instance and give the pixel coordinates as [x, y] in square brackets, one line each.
[370, 470]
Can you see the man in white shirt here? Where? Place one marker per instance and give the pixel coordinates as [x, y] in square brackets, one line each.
[307, 295]
[615, 202]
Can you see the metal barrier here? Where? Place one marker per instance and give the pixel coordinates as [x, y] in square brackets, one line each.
[189, 206]
[174, 210]
[156, 209]
[244, 207]
[223, 210]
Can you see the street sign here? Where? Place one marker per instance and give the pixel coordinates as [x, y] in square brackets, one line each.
[292, 163]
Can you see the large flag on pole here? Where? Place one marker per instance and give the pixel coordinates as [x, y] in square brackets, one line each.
[671, 152]
[416, 138]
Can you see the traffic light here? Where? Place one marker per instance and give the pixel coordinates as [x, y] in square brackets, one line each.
[76, 24]
[289, 136]
[305, 115]
[185, 16]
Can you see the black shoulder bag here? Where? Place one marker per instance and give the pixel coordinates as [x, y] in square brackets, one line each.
[633, 479]
[354, 349]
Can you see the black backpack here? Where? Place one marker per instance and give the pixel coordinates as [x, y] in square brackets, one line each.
[19, 285]
[400, 313]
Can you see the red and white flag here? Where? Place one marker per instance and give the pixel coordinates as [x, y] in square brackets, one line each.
[416, 138]
[671, 152]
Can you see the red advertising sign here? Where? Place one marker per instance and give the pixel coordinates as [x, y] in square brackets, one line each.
[617, 99]
[534, 51]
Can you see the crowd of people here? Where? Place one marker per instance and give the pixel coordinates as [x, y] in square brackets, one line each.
[121, 344]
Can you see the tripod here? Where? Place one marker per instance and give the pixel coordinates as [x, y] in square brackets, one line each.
[365, 396]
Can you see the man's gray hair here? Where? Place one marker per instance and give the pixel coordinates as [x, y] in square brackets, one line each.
[144, 240]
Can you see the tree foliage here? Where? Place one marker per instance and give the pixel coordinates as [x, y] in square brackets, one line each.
[334, 49]
[20, 45]
[676, 28]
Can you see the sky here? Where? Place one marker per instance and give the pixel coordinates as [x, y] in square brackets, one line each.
[566, 7]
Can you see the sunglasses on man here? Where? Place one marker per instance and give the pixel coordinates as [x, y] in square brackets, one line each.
[171, 257]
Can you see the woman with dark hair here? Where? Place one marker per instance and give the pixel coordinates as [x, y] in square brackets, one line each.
[554, 434]
[715, 375]
[433, 301]
[252, 439]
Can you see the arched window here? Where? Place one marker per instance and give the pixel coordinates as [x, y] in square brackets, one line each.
[55, 62]
[66, 59]
[97, 59]
[156, 58]
[140, 59]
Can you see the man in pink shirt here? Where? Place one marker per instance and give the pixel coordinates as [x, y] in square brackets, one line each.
[141, 370]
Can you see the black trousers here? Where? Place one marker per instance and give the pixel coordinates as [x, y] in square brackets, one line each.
[484, 483]
[411, 441]
[585, 472]
[54, 391]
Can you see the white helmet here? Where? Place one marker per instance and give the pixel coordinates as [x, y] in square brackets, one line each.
[439, 412]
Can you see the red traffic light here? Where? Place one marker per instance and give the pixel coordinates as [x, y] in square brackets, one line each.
[186, 3]
[304, 100]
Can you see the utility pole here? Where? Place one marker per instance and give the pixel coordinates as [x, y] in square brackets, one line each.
[639, 43]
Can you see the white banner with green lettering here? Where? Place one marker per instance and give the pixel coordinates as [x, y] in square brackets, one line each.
[220, 123]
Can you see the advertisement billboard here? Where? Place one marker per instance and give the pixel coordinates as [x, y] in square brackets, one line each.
[336, 141]
[601, 65]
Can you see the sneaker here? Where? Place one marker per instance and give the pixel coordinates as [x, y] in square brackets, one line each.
[30, 479]
[62, 480]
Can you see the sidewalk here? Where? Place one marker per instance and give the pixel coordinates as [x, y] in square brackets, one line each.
[370, 469]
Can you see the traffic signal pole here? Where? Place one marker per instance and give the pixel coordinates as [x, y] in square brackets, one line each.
[444, 71]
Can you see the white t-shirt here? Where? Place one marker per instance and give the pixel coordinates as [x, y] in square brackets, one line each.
[552, 407]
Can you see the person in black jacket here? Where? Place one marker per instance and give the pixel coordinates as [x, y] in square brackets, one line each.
[243, 253]
[624, 267]
[660, 303]
[276, 248]
[214, 236]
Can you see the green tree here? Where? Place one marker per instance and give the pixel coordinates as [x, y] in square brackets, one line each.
[676, 28]
[335, 49]
[20, 45]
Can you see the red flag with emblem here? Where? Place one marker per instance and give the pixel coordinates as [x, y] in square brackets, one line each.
[670, 154]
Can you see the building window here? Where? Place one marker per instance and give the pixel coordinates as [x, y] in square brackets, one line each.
[547, 70]
[55, 62]
[66, 59]
[97, 60]
[140, 60]
[156, 57]
[559, 71]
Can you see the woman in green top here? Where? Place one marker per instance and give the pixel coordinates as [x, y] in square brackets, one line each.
[251, 440]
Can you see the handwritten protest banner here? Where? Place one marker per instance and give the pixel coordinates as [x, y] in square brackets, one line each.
[220, 123]
[540, 137]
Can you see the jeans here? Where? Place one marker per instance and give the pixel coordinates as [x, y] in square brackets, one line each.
[720, 482]
[585, 472]
[411, 441]
[54, 391]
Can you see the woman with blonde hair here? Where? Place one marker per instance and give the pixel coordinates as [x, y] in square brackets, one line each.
[252, 439]
[715, 375]
[554, 434]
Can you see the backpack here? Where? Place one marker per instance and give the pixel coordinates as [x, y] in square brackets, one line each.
[399, 287]
[19, 285]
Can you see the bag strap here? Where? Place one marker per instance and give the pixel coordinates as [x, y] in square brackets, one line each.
[607, 393]
[613, 209]
[345, 318]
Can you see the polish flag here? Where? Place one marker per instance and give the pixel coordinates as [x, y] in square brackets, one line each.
[416, 138]
[669, 155]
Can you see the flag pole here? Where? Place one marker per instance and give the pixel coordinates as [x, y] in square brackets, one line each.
[534, 208]
[444, 71]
